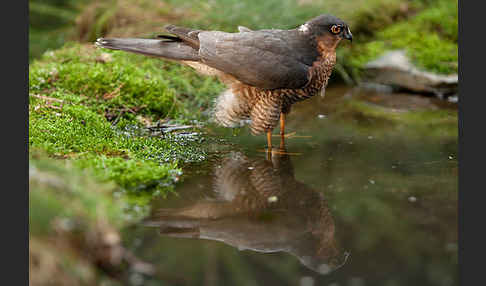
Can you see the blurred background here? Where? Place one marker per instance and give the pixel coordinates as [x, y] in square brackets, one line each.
[425, 29]
[121, 144]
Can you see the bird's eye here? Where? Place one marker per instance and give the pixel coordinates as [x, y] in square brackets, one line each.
[335, 29]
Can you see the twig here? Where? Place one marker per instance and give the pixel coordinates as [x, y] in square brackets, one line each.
[113, 94]
[47, 98]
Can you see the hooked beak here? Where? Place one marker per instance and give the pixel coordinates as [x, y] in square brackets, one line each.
[347, 35]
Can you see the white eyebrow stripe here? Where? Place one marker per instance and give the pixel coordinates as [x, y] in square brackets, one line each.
[304, 27]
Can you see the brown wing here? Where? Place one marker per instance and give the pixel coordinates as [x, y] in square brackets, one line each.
[268, 59]
[185, 34]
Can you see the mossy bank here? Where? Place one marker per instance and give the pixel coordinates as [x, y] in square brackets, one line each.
[92, 107]
[101, 147]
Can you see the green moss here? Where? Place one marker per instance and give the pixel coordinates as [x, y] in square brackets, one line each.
[132, 173]
[121, 82]
[116, 84]
[429, 38]
[374, 16]
[354, 59]
[84, 108]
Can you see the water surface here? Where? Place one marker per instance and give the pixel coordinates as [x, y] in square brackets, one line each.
[364, 192]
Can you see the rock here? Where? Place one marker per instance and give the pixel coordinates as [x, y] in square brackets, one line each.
[395, 69]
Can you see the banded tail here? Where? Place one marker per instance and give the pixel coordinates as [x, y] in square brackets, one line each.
[166, 48]
[184, 45]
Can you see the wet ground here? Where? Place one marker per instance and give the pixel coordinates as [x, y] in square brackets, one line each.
[364, 192]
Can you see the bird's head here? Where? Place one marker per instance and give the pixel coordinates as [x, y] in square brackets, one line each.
[327, 29]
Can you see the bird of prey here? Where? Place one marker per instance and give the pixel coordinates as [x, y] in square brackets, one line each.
[266, 71]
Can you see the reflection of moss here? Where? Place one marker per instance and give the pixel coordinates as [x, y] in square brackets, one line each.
[430, 39]
[439, 123]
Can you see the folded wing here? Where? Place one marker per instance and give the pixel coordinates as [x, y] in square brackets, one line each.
[268, 59]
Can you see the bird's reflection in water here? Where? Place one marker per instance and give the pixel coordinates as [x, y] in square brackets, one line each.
[257, 204]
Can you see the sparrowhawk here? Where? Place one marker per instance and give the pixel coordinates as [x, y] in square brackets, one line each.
[266, 71]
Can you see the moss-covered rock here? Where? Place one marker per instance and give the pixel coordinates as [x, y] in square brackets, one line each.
[429, 37]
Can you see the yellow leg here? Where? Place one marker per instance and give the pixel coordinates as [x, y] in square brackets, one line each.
[282, 124]
[269, 139]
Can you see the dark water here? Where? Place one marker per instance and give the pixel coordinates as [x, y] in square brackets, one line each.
[364, 193]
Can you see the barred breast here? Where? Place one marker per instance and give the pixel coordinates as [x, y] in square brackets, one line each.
[243, 103]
